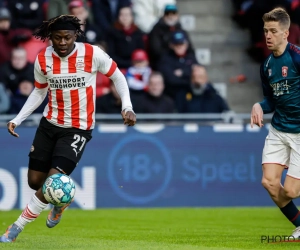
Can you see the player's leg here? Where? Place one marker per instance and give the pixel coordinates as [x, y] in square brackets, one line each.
[39, 166]
[292, 185]
[37, 178]
[40, 154]
[271, 181]
[35, 206]
[277, 153]
[292, 191]
[275, 157]
[59, 165]
[67, 153]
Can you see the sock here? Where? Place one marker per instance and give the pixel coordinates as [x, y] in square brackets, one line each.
[292, 213]
[31, 212]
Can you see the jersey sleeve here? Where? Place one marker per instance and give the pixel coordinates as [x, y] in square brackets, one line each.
[32, 103]
[104, 63]
[267, 105]
[40, 80]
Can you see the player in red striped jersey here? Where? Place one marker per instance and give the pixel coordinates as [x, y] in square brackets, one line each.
[67, 72]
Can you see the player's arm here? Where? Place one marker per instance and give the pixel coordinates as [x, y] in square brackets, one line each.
[109, 68]
[267, 105]
[264, 107]
[34, 100]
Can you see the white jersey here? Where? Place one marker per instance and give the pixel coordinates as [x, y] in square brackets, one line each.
[71, 83]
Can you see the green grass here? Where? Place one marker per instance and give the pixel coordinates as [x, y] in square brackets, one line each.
[161, 229]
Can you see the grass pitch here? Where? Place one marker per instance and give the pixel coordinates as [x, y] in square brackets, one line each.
[160, 229]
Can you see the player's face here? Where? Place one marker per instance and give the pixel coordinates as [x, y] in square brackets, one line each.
[63, 41]
[275, 35]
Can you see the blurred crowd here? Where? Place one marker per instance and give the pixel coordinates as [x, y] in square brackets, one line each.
[144, 37]
[248, 15]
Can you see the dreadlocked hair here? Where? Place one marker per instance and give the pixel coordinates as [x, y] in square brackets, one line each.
[44, 31]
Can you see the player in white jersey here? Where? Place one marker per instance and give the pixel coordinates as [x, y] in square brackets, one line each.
[67, 72]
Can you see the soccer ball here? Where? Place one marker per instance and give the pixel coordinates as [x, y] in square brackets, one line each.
[59, 189]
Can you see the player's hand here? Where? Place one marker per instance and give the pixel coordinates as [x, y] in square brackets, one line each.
[257, 115]
[11, 129]
[129, 118]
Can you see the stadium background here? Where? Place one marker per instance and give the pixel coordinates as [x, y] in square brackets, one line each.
[170, 160]
[151, 166]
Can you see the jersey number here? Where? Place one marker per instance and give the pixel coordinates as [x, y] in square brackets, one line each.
[77, 139]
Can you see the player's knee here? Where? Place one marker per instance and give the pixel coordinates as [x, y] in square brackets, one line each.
[35, 183]
[36, 178]
[270, 184]
[265, 183]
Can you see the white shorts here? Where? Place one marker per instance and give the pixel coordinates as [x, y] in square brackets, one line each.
[284, 149]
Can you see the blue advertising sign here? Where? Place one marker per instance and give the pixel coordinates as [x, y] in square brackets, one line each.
[151, 166]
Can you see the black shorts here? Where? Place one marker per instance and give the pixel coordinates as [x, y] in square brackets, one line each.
[51, 140]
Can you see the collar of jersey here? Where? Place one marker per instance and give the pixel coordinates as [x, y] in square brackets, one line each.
[72, 52]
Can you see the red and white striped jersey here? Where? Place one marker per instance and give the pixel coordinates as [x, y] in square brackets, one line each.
[71, 81]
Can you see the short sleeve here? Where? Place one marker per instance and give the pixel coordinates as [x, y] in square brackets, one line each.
[40, 80]
[104, 63]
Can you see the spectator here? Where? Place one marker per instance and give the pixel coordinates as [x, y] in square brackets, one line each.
[138, 74]
[102, 85]
[27, 14]
[92, 34]
[33, 46]
[154, 100]
[4, 100]
[293, 7]
[60, 7]
[159, 37]
[5, 35]
[14, 70]
[18, 37]
[102, 81]
[125, 38]
[106, 13]
[109, 103]
[176, 65]
[19, 98]
[202, 96]
[147, 12]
